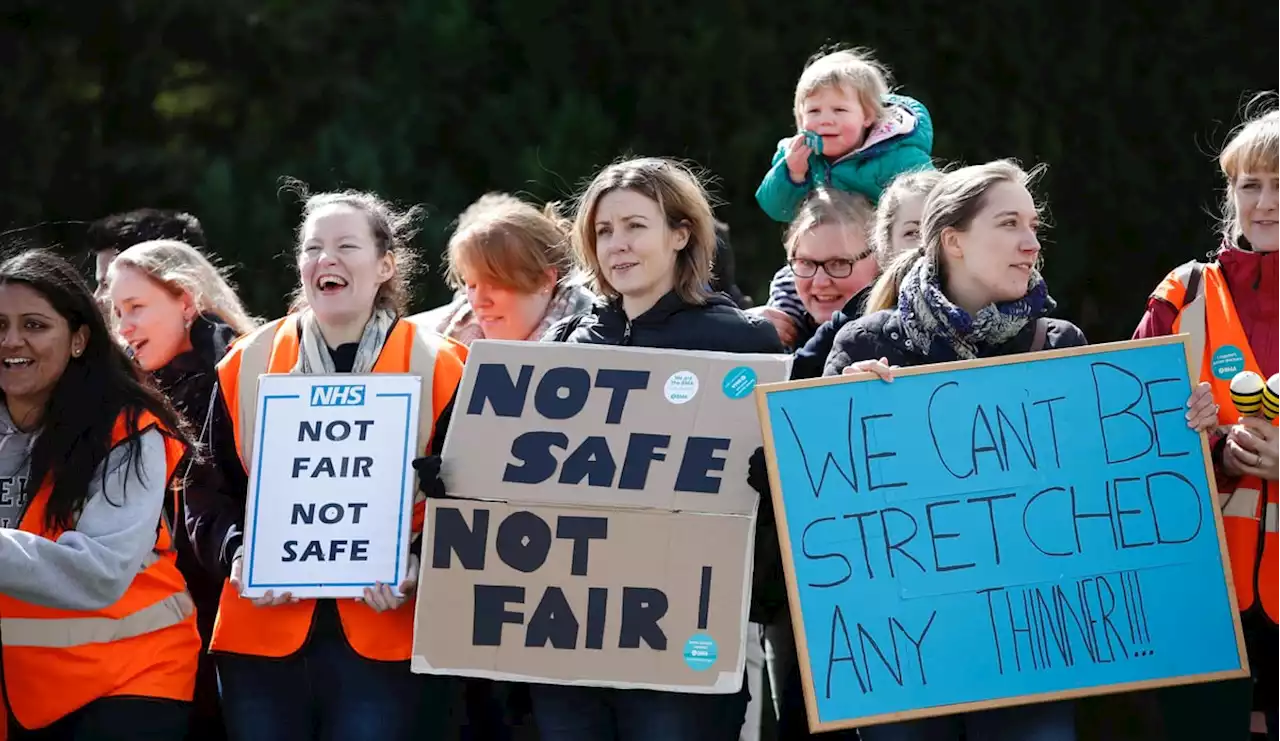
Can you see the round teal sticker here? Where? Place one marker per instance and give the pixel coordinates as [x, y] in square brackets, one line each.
[739, 382]
[700, 652]
[1226, 362]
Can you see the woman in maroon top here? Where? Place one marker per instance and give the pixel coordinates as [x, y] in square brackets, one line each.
[1249, 262]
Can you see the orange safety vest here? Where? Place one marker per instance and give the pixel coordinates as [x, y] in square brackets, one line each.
[276, 632]
[144, 645]
[1219, 345]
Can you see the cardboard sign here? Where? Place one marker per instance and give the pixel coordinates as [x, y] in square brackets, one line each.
[331, 485]
[999, 532]
[604, 528]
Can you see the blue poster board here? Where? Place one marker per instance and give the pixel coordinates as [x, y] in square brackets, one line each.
[999, 532]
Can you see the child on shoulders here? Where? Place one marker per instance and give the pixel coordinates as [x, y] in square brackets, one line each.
[853, 134]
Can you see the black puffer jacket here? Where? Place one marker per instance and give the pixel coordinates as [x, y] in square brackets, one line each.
[672, 324]
[880, 335]
[187, 382]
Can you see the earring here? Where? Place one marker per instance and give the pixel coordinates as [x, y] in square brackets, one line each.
[189, 322]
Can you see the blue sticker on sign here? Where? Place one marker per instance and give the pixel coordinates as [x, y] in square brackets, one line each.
[739, 382]
[700, 652]
[1226, 362]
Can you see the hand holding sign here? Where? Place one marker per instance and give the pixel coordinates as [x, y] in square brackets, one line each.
[269, 599]
[879, 367]
[1202, 412]
[382, 599]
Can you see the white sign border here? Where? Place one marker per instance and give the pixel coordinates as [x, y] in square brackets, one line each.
[407, 489]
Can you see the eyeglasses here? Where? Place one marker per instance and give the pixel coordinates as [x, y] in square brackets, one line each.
[837, 267]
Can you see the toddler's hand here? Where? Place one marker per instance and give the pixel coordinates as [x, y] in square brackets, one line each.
[798, 158]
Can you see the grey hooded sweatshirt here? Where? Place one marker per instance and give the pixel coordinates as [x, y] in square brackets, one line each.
[90, 567]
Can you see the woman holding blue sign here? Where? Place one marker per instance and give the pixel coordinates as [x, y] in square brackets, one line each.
[972, 290]
[1228, 306]
[645, 235]
[324, 668]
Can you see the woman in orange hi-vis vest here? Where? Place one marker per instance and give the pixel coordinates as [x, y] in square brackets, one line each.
[324, 668]
[97, 632]
[1229, 307]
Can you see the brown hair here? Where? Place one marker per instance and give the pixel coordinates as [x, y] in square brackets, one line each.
[1253, 149]
[827, 206]
[953, 203]
[506, 240]
[392, 228]
[853, 69]
[683, 201]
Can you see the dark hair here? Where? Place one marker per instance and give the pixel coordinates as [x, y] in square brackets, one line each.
[89, 397]
[393, 232]
[121, 231]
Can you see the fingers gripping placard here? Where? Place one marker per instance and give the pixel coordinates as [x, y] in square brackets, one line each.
[604, 525]
[999, 532]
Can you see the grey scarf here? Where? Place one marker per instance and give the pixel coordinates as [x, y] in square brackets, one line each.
[315, 357]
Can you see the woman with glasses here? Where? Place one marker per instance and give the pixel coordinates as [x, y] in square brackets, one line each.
[829, 253]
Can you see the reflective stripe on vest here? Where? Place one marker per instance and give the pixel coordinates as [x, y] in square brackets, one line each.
[144, 644]
[281, 631]
[71, 632]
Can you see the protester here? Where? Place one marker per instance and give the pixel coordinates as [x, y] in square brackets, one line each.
[178, 316]
[897, 229]
[1228, 306]
[99, 634]
[644, 234]
[829, 259]
[973, 290]
[109, 236]
[852, 134]
[305, 668]
[513, 267]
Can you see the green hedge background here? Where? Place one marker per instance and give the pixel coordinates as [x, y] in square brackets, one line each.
[204, 106]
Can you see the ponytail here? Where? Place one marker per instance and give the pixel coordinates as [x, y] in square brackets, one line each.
[884, 294]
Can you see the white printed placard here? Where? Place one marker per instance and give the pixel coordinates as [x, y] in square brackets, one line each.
[331, 484]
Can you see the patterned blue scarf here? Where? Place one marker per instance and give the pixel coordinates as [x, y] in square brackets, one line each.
[940, 329]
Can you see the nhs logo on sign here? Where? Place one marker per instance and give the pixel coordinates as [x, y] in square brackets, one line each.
[337, 396]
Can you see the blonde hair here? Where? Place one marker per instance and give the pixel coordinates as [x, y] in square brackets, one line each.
[827, 206]
[179, 268]
[952, 204]
[682, 200]
[504, 239]
[904, 186]
[393, 229]
[1253, 149]
[852, 69]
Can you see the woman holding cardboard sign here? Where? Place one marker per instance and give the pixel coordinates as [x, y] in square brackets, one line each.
[1228, 306]
[972, 290]
[319, 669]
[98, 631]
[645, 235]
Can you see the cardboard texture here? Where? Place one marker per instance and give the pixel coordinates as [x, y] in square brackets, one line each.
[603, 529]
